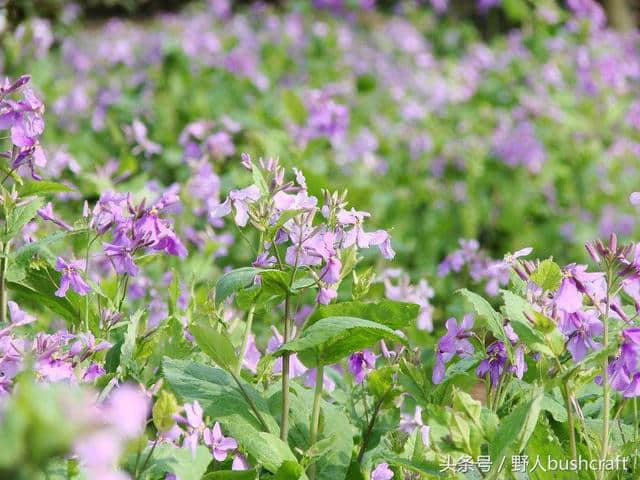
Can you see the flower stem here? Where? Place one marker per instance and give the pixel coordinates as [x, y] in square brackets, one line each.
[315, 414]
[605, 375]
[3, 289]
[284, 420]
[251, 403]
[245, 338]
[572, 429]
[635, 433]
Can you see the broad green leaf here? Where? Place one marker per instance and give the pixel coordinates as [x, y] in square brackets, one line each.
[167, 458]
[336, 433]
[233, 281]
[222, 400]
[331, 339]
[391, 313]
[215, 344]
[43, 187]
[258, 179]
[289, 470]
[19, 216]
[231, 475]
[548, 275]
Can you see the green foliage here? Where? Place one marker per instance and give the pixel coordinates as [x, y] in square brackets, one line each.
[331, 339]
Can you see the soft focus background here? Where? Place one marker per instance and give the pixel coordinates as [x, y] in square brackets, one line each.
[468, 128]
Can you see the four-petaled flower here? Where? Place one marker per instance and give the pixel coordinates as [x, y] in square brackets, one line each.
[71, 277]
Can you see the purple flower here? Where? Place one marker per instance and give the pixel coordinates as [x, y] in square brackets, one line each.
[218, 443]
[325, 295]
[251, 355]
[580, 328]
[382, 472]
[120, 256]
[328, 384]
[360, 363]
[71, 277]
[19, 317]
[137, 134]
[46, 213]
[240, 200]
[494, 363]
[454, 342]
[195, 425]
[568, 298]
[240, 462]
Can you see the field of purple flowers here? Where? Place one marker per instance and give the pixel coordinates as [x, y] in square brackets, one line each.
[320, 240]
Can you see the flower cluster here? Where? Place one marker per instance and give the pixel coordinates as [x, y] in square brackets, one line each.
[287, 209]
[134, 228]
[24, 119]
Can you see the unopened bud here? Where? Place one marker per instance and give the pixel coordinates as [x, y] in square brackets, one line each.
[592, 252]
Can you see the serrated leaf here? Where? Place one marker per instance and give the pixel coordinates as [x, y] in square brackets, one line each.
[548, 275]
[43, 187]
[491, 319]
[163, 411]
[222, 400]
[233, 281]
[331, 339]
[393, 314]
[215, 344]
[19, 216]
[167, 458]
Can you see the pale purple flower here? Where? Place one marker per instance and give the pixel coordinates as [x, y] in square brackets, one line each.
[454, 342]
[494, 363]
[360, 363]
[71, 277]
[219, 444]
[46, 213]
[326, 295]
[580, 328]
[240, 462]
[382, 472]
[251, 355]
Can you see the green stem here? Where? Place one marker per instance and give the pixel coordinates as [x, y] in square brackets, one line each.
[605, 377]
[251, 403]
[572, 428]
[635, 434]
[315, 413]
[372, 422]
[284, 419]
[3, 287]
[245, 338]
[146, 460]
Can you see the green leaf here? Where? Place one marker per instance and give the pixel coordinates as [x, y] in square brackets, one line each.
[43, 187]
[222, 400]
[515, 307]
[289, 470]
[336, 433]
[422, 468]
[231, 475]
[515, 430]
[548, 275]
[19, 216]
[233, 281]
[491, 319]
[129, 344]
[393, 314]
[37, 285]
[163, 410]
[215, 344]
[331, 339]
[167, 458]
